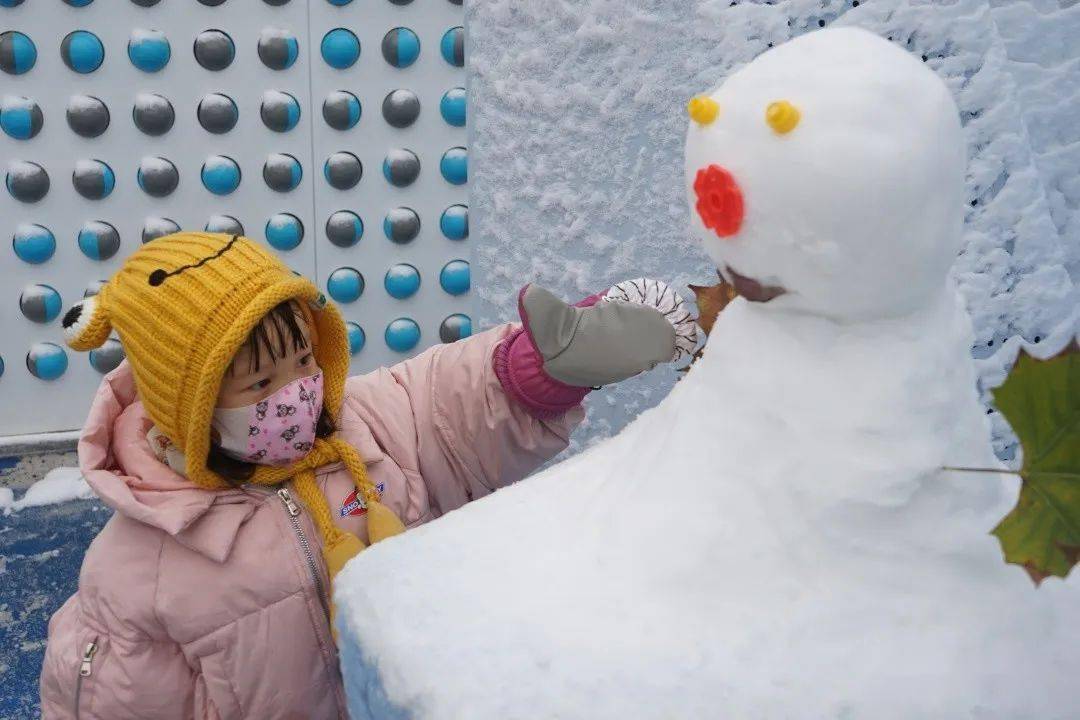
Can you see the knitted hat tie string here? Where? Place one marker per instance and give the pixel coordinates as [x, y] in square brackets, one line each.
[382, 521]
[339, 546]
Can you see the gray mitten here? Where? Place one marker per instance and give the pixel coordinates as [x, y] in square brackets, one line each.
[634, 327]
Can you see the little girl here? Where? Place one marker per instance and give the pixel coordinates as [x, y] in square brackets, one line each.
[245, 469]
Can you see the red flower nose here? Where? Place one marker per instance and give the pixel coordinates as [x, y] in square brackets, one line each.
[719, 200]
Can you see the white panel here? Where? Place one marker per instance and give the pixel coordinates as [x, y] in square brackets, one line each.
[61, 403]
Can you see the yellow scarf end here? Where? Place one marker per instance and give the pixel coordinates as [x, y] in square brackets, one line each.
[382, 522]
[344, 546]
[340, 551]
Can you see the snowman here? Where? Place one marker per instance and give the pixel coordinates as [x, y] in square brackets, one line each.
[779, 538]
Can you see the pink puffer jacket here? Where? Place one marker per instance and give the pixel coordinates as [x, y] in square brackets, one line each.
[197, 604]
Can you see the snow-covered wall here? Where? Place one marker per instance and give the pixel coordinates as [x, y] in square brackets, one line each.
[578, 123]
[1042, 41]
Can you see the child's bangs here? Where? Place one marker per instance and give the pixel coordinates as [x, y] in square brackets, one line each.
[279, 329]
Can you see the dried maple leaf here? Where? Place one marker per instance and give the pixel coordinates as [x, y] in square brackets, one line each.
[1041, 401]
[711, 299]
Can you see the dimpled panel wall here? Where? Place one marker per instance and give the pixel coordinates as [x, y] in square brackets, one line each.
[332, 130]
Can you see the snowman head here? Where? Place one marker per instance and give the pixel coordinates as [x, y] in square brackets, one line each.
[827, 176]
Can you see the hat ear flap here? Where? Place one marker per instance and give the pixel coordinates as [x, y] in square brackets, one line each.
[86, 325]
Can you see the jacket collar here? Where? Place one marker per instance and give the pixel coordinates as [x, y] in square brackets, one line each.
[117, 461]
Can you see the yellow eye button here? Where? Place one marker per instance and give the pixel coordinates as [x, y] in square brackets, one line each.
[703, 109]
[782, 116]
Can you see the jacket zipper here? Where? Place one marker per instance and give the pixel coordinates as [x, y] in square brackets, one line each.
[294, 517]
[85, 669]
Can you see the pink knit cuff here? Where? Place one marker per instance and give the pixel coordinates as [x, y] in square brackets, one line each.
[520, 369]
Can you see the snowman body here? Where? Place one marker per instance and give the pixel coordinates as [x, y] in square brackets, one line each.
[778, 537]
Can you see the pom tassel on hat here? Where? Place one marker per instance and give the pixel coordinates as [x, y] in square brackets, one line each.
[86, 324]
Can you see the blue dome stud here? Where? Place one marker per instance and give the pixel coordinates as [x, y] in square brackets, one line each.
[400, 47]
[82, 51]
[149, 50]
[93, 179]
[341, 110]
[33, 244]
[452, 106]
[18, 54]
[453, 46]
[278, 49]
[282, 172]
[220, 174]
[357, 337]
[40, 303]
[340, 48]
[46, 361]
[279, 111]
[284, 231]
[401, 281]
[454, 166]
[402, 335]
[454, 222]
[98, 240]
[345, 285]
[20, 117]
[455, 277]
[455, 327]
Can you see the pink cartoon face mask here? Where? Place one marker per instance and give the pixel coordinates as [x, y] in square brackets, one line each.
[277, 430]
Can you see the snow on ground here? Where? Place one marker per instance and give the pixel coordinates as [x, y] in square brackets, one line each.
[59, 485]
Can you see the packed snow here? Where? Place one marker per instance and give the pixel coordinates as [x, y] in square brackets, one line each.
[779, 537]
[59, 485]
[1040, 38]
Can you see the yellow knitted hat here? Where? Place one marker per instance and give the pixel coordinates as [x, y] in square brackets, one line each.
[183, 305]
